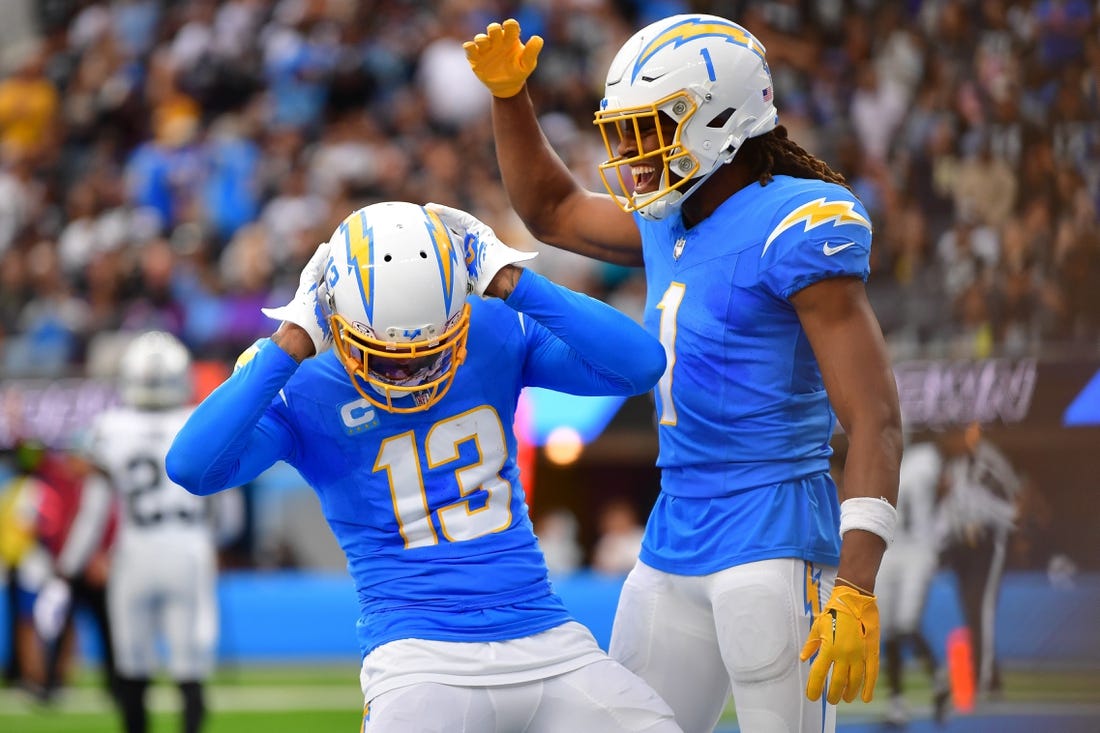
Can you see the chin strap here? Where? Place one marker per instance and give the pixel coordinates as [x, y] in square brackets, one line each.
[665, 205]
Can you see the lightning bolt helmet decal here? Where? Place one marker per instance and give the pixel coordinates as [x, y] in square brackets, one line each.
[691, 29]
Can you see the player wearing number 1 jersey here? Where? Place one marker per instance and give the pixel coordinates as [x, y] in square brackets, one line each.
[404, 430]
[755, 256]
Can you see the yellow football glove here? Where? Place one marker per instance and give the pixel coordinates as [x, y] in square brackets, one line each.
[846, 638]
[500, 60]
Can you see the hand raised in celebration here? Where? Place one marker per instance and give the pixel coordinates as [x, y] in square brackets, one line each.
[500, 60]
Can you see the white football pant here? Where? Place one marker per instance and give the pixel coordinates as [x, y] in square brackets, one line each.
[695, 639]
[166, 592]
[600, 697]
[902, 586]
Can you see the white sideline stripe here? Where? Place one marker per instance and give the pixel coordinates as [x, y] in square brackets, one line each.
[163, 697]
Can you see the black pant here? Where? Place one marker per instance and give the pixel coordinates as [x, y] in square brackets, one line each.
[13, 667]
[979, 568]
[93, 598]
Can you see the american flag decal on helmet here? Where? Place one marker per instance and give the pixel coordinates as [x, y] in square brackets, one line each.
[768, 94]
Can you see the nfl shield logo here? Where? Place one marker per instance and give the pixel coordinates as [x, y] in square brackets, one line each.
[678, 248]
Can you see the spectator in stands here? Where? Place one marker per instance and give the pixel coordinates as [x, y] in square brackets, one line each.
[28, 104]
[985, 185]
[294, 73]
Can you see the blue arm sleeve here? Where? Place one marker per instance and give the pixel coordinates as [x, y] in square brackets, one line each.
[233, 436]
[580, 345]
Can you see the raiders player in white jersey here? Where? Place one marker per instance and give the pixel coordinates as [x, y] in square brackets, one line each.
[905, 574]
[161, 586]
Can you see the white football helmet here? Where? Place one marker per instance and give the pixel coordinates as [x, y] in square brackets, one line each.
[706, 74]
[397, 287]
[154, 372]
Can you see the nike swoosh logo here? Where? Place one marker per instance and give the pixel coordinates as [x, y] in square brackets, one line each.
[830, 251]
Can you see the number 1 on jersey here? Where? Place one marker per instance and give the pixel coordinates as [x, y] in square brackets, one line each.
[669, 307]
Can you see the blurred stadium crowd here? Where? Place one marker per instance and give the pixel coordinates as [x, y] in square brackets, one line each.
[171, 163]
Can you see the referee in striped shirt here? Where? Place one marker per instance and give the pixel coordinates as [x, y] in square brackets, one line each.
[976, 514]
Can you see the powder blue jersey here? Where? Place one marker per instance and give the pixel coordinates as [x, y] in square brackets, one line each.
[744, 420]
[427, 506]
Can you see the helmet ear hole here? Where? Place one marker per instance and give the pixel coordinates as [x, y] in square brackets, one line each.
[719, 120]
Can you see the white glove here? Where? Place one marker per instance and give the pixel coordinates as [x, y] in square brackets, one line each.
[308, 308]
[50, 608]
[485, 254]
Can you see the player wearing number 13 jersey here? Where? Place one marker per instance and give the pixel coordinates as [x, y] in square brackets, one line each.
[404, 430]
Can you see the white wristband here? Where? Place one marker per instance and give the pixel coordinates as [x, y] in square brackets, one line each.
[873, 515]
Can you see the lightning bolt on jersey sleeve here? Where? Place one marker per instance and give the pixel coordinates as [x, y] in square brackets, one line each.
[581, 345]
[819, 233]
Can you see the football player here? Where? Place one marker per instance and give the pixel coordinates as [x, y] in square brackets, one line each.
[905, 575]
[755, 256]
[161, 585]
[404, 430]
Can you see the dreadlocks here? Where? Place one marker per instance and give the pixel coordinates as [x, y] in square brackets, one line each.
[773, 153]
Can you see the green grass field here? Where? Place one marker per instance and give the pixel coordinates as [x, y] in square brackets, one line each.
[285, 699]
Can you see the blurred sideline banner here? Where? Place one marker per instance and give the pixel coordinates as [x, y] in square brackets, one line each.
[301, 617]
[934, 393]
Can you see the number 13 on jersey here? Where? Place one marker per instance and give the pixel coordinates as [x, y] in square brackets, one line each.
[399, 457]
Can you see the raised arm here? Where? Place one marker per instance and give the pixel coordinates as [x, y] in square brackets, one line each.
[554, 206]
[232, 436]
[569, 350]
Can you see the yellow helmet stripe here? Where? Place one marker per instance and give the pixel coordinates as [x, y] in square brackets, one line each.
[692, 29]
[359, 241]
[445, 254]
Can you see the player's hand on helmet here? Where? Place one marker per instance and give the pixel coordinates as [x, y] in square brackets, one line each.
[50, 608]
[845, 637]
[308, 309]
[484, 253]
[500, 60]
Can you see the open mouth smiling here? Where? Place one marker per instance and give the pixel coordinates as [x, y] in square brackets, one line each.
[645, 177]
